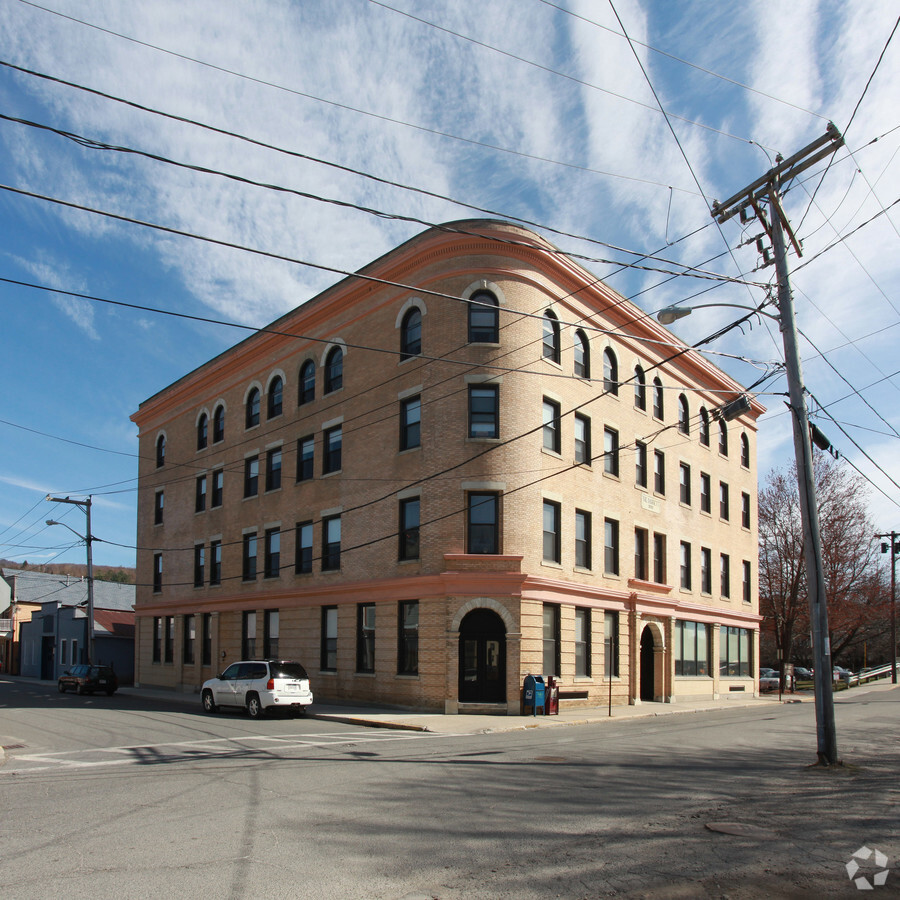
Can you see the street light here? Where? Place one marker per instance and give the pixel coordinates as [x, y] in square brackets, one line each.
[85, 506]
[812, 546]
[670, 314]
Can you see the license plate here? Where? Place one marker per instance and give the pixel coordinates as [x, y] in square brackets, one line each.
[102, 681]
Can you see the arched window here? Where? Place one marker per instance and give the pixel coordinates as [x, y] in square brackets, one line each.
[484, 315]
[334, 370]
[307, 391]
[745, 451]
[723, 438]
[411, 334]
[704, 426]
[219, 424]
[684, 415]
[658, 402]
[640, 388]
[252, 411]
[610, 372]
[551, 337]
[276, 395]
[160, 451]
[582, 355]
[202, 431]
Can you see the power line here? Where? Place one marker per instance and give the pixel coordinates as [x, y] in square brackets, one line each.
[348, 108]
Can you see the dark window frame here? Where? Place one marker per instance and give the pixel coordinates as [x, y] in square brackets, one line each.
[251, 408]
[334, 370]
[411, 423]
[486, 533]
[484, 411]
[411, 334]
[552, 536]
[275, 398]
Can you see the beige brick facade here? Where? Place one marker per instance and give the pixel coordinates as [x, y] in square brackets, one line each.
[485, 619]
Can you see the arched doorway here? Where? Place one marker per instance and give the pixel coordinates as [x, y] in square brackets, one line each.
[482, 658]
[648, 673]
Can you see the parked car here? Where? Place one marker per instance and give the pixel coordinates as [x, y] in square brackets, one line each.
[802, 674]
[842, 674]
[769, 680]
[88, 680]
[259, 685]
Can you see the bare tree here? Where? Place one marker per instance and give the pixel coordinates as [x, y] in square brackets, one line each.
[854, 584]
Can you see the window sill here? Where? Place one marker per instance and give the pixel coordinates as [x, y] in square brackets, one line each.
[406, 676]
[334, 472]
[404, 450]
[612, 475]
[551, 564]
[364, 674]
[583, 570]
[482, 440]
[554, 453]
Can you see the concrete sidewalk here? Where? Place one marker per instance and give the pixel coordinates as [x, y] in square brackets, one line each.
[374, 716]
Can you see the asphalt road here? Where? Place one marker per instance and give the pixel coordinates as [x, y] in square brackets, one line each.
[127, 797]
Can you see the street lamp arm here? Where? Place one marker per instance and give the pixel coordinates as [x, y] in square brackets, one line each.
[670, 314]
[80, 537]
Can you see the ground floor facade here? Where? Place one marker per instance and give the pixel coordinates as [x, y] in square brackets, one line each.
[462, 640]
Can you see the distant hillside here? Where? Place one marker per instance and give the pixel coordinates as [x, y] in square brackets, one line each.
[101, 573]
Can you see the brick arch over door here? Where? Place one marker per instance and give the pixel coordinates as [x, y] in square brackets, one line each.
[483, 603]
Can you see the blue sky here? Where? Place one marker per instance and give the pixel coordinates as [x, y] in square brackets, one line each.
[532, 109]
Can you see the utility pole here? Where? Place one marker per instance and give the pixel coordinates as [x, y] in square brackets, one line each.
[766, 190]
[88, 539]
[893, 549]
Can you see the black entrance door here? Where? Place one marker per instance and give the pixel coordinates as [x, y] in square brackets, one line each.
[647, 674]
[482, 658]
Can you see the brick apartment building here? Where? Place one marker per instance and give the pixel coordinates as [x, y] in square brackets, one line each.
[469, 462]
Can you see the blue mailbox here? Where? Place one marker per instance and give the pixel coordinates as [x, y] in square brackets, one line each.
[534, 693]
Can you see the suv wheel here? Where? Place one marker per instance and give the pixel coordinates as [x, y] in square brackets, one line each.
[209, 705]
[254, 707]
[60, 687]
[79, 689]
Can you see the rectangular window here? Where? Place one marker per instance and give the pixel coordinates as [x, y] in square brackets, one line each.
[684, 483]
[611, 644]
[483, 523]
[169, 640]
[199, 565]
[248, 568]
[705, 570]
[640, 464]
[331, 543]
[218, 488]
[659, 558]
[552, 550]
[206, 651]
[74, 658]
[189, 640]
[745, 583]
[328, 651]
[484, 411]
[641, 539]
[692, 646]
[408, 638]
[685, 565]
[272, 553]
[159, 502]
[582, 643]
[365, 637]
[271, 620]
[248, 635]
[200, 494]
[611, 546]
[409, 528]
[725, 564]
[63, 647]
[745, 510]
[251, 476]
[659, 472]
[611, 451]
[157, 573]
[582, 539]
[705, 493]
[551, 640]
[273, 469]
[304, 544]
[157, 639]
[582, 439]
[723, 500]
[306, 450]
[410, 423]
[332, 439]
[734, 652]
[551, 425]
[215, 562]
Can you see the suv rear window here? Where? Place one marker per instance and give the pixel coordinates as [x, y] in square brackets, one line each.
[287, 670]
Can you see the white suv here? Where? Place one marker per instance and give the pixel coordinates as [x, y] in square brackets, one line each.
[259, 685]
